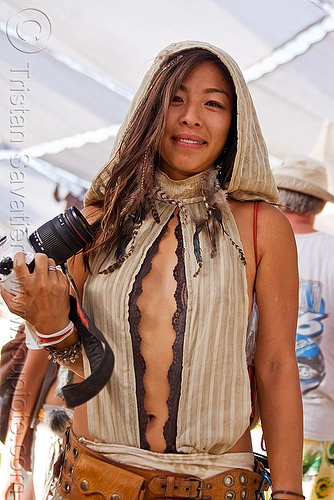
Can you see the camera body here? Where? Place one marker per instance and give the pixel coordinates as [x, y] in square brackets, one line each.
[7, 277]
[60, 238]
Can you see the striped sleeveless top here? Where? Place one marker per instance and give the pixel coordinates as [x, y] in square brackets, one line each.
[213, 405]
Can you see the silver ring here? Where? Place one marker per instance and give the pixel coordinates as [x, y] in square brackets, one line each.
[52, 268]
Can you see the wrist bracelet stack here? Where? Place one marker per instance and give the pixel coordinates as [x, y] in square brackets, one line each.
[67, 355]
[285, 492]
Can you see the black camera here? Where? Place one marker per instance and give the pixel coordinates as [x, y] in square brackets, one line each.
[59, 238]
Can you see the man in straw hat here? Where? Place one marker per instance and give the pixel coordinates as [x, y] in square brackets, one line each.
[302, 184]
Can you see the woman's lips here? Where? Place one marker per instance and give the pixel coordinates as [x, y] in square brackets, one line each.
[189, 142]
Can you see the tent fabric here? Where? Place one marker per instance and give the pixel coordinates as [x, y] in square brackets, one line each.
[75, 69]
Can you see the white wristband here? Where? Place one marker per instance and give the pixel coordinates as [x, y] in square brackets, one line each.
[55, 342]
[33, 342]
[57, 334]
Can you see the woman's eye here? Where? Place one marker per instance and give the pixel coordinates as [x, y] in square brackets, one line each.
[214, 104]
[176, 98]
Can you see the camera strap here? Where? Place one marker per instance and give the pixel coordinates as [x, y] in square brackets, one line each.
[99, 353]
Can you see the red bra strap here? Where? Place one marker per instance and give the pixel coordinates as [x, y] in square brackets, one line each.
[255, 231]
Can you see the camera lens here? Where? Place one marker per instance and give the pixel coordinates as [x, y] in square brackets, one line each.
[63, 236]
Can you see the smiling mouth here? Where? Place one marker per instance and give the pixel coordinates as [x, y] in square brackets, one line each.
[188, 141]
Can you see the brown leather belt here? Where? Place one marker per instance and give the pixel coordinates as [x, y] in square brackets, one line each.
[85, 473]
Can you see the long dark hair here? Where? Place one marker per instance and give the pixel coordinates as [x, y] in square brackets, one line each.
[127, 193]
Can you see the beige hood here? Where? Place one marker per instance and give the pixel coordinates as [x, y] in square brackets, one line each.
[252, 177]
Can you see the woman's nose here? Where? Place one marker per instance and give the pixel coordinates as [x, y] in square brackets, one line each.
[191, 116]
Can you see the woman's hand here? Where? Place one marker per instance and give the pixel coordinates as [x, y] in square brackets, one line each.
[43, 298]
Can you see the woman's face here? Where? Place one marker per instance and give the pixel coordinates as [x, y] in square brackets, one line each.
[197, 122]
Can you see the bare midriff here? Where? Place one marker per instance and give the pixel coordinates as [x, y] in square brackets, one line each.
[157, 306]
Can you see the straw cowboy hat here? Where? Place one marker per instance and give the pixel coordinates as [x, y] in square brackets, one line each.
[304, 175]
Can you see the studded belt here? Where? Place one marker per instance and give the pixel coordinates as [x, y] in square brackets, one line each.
[85, 473]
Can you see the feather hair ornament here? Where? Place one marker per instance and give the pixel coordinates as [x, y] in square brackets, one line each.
[197, 248]
[216, 202]
[122, 256]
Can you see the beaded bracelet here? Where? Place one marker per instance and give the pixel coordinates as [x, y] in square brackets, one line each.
[67, 355]
[286, 492]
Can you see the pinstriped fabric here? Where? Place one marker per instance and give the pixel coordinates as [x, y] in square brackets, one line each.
[214, 405]
[214, 392]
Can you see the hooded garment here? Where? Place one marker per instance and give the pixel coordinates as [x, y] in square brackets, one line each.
[209, 404]
[252, 178]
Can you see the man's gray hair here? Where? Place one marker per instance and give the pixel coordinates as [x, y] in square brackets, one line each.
[300, 203]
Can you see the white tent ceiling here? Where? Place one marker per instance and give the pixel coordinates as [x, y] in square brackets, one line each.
[84, 60]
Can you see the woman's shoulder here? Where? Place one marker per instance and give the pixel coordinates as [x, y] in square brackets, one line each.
[273, 229]
[272, 220]
[266, 214]
[275, 234]
[92, 212]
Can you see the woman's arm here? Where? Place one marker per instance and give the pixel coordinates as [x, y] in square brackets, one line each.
[275, 360]
[43, 298]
